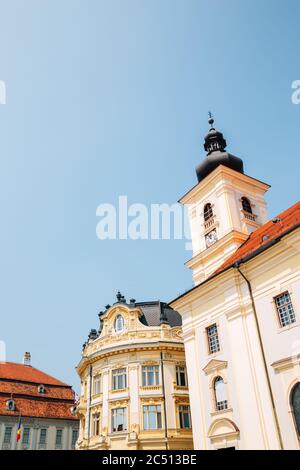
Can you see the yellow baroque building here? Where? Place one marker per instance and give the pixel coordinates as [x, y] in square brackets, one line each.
[134, 392]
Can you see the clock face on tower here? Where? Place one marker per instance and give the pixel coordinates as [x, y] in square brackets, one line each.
[211, 237]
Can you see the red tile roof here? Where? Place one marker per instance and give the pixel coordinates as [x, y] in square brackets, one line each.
[38, 408]
[26, 389]
[20, 382]
[20, 372]
[264, 235]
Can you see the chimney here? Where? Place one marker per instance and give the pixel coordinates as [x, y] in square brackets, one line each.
[27, 359]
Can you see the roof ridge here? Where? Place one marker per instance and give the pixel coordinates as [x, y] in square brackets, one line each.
[58, 382]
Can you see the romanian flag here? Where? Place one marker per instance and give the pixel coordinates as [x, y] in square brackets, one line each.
[19, 430]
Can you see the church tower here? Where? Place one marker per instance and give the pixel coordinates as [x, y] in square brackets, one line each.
[223, 208]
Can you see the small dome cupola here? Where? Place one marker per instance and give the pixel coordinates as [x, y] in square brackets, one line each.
[215, 147]
[214, 140]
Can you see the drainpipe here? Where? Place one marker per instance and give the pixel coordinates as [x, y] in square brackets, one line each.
[89, 404]
[237, 266]
[164, 398]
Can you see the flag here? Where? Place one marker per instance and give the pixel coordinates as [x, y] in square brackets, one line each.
[19, 429]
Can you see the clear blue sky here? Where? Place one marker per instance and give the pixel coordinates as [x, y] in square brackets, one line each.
[110, 97]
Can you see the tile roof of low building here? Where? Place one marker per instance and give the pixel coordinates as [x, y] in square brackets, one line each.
[20, 382]
[38, 408]
[24, 373]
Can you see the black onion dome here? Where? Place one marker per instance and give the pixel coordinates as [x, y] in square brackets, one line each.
[215, 146]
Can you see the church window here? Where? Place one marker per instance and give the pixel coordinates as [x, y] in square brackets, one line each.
[213, 339]
[295, 405]
[285, 309]
[220, 394]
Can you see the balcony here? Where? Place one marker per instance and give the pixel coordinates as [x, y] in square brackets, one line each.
[210, 222]
[249, 216]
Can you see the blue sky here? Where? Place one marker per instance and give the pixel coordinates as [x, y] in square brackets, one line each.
[109, 98]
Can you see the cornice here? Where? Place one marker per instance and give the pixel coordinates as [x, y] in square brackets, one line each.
[128, 348]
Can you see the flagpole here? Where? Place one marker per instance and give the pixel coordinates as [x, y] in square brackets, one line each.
[18, 432]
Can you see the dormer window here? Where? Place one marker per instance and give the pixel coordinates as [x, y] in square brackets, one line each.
[246, 205]
[208, 212]
[41, 389]
[119, 324]
[11, 405]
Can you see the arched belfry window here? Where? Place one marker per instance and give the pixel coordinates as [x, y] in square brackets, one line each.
[246, 205]
[295, 405]
[208, 212]
[220, 394]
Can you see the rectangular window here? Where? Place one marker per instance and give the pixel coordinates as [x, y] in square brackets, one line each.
[43, 438]
[181, 378]
[97, 385]
[96, 424]
[213, 339]
[150, 376]
[26, 436]
[184, 417]
[7, 435]
[74, 438]
[152, 417]
[285, 309]
[119, 420]
[119, 379]
[58, 438]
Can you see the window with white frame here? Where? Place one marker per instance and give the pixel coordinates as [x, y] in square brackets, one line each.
[152, 417]
[119, 379]
[26, 436]
[119, 323]
[285, 309]
[58, 438]
[213, 339]
[150, 375]
[119, 419]
[97, 384]
[181, 378]
[96, 424]
[7, 435]
[184, 416]
[220, 394]
[43, 438]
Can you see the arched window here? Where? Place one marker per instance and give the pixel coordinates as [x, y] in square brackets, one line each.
[119, 323]
[246, 205]
[295, 405]
[208, 212]
[220, 394]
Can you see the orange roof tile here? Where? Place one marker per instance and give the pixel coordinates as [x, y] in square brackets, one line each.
[20, 372]
[38, 408]
[264, 235]
[31, 390]
[20, 382]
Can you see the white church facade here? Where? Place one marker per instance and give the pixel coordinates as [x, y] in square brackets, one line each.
[241, 320]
